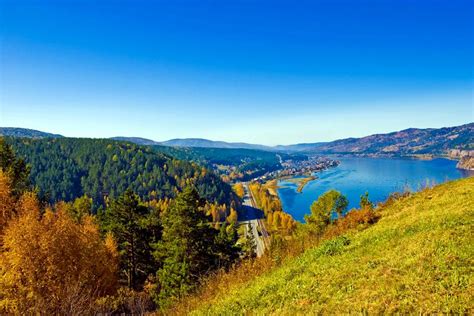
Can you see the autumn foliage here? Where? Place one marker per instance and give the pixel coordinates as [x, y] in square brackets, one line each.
[276, 219]
[49, 262]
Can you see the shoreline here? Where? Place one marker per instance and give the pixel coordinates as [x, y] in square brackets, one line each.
[304, 182]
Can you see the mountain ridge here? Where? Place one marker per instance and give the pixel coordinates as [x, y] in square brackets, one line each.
[26, 132]
[202, 142]
[406, 142]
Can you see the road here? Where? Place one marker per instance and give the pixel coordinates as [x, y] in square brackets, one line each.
[254, 216]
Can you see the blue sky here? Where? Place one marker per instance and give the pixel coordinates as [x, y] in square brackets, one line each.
[254, 71]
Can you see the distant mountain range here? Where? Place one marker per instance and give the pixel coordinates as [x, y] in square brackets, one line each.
[136, 140]
[412, 141]
[192, 142]
[200, 142]
[26, 132]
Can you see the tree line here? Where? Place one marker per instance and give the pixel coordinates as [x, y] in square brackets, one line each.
[67, 168]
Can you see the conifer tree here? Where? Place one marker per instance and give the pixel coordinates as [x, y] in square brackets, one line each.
[365, 203]
[13, 167]
[131, 224]
[249, 246]
[186, 249]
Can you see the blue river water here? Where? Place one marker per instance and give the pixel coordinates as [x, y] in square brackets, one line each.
[378, 176]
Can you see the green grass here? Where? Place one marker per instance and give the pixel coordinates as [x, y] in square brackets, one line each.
[418, 258]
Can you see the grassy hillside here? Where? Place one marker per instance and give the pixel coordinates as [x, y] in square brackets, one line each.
[417, 258]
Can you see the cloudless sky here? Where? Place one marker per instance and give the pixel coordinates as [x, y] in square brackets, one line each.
[254, 71]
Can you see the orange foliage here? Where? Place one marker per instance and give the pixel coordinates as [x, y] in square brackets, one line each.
[354, 219]
[52, 264]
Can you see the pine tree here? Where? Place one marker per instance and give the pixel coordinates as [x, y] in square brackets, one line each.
[130, 223]
[186, 249]
[365, 203]
[13, 167]
[250, 246]
[225, 245]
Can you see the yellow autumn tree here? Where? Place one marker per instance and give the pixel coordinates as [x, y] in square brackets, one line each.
[233, 216]
[239, 189]
[52, 264]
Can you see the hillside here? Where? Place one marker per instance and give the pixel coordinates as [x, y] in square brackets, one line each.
[66, 168]
[416, 259]
[408, 142]
[25, 132]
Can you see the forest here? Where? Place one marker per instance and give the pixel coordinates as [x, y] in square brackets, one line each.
[68, 168]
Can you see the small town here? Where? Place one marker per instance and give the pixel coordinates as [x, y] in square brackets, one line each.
[296, 167]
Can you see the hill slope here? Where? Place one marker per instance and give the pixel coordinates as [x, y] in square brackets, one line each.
[26, 133]
[417, 258]
[411, 141]
[66, 168]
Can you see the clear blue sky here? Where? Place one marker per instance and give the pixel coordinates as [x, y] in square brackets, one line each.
[253, 71]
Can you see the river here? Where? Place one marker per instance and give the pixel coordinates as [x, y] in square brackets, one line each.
[378, 176]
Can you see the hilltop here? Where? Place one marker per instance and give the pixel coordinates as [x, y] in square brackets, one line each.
[416, 259]
[26, 132]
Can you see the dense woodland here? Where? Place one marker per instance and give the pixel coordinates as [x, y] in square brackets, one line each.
[67, 168]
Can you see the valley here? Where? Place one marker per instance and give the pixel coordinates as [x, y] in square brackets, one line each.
[239, 207]
[236, 157]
